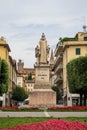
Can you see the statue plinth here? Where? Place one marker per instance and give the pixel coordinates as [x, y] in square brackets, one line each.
[42, 95]
[42, 76]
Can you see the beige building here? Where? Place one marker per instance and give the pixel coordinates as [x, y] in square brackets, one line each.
[12, 78]
[20, 81]
[67, 50]
[30, 85]
[25, 71]
[25, 77]
[58, 67]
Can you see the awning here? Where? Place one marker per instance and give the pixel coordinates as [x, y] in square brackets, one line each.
[1, 98]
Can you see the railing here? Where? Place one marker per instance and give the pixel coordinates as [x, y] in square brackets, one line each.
[59, 56]
[59, 78]
[60, 66]
[57, 46]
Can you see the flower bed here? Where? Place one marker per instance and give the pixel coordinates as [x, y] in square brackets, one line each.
[53, 124]
[13, 108]
[16, 108]
[68, 108]
[64, 108]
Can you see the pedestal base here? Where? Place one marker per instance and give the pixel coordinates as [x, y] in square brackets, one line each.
[41, 97]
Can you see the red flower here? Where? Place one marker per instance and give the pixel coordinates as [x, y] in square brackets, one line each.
[52, 125]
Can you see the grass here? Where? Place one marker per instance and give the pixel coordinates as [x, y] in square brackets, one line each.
[6, 122]
[81, 119]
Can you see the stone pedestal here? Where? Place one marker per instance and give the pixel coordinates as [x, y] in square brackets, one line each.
[43, 97]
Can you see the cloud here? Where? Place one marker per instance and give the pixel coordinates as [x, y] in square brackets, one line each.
[29, 49]
[23, 21]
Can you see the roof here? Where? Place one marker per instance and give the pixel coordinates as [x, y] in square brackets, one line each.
[7, 46]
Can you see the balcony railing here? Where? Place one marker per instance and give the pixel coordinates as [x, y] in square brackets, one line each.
[59, 46]
[58, 79]
[60, 66]
[58, 58]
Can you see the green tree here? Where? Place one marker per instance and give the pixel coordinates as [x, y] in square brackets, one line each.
[4, 76]
[30, 76]
[58, 94]
[77, 77]
[63, 39]
[19, 94]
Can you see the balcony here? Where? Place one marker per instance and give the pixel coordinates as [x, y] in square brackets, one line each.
[59, 68]
[59, 47]
[58, 59]
[58, 80]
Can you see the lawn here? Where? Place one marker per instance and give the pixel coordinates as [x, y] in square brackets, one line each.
[6, 122]
[39, 123]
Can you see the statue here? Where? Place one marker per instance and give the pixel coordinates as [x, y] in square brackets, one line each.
[42, 95]
[42, 51]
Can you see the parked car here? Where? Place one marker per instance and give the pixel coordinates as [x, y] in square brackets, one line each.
[25, 103]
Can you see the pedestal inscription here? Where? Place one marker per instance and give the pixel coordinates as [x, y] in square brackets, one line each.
[42, 75]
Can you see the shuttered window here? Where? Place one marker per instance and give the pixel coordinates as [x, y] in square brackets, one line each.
[78, 51]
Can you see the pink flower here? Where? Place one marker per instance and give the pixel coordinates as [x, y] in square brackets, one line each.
[52, 125]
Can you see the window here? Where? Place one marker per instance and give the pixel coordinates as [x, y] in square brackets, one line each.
[77, 51]
[85, 38]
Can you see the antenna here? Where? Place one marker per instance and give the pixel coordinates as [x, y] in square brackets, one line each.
[84, 26]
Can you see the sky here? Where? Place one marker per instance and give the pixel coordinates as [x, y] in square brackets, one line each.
[22, 23]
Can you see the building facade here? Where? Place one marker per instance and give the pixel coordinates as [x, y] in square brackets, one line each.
[4, 54]
[58, 68]
[30, 85]
[25, 77]
[20, 80]
[66, 51]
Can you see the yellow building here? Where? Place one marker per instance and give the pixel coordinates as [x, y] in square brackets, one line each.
[4, 49]
[67, 50]
[4, 54]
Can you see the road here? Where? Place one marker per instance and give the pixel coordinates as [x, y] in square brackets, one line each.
[43, 114]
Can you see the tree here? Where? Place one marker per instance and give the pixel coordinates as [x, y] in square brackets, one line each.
[4, 76]
[63, 39]
[19, 94]
[77, 77]
[30, 76]
[58, 94]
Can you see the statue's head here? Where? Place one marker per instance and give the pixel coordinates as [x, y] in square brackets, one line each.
[43, 36]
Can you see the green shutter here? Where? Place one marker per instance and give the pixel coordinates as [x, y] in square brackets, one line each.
[77, 51]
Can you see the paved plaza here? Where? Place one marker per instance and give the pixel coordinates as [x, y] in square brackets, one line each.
[43, 114]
